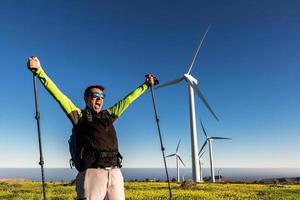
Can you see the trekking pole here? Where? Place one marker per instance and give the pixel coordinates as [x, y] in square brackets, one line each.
[37, 117]
[161, 143]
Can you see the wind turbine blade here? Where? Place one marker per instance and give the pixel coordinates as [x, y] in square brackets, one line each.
[203, 146]
[178, 145]
[197, 50]
[221, 138]
[201, 154]
[199, 93]
[171, 155]
[203, 129]
[181, 160]
[169, 83]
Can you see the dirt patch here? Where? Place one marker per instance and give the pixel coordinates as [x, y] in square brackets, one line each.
[12, 180]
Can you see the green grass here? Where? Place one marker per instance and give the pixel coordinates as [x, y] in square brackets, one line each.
[33, 190]
[157, 190]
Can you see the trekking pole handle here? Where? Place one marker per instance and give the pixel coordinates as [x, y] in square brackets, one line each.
[156, 81]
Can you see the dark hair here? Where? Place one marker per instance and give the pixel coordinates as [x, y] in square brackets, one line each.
[87, 90]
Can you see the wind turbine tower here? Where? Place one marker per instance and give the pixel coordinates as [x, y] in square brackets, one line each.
[193, 87]
[200, 165]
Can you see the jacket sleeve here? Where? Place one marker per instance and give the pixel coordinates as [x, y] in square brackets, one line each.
[73, 112]
[116, 110]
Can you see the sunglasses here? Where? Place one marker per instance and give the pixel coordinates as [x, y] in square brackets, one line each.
[97, 95]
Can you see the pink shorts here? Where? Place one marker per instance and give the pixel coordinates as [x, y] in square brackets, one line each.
[100, 184]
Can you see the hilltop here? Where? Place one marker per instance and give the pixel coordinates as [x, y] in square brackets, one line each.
[292, 180]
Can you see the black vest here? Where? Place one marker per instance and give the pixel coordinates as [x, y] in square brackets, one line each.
[98, 139]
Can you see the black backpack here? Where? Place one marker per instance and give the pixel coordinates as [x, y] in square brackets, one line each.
[77, 144]
[76, 147]
[76, 150]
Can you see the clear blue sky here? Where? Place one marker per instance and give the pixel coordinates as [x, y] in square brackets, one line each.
[248, 70]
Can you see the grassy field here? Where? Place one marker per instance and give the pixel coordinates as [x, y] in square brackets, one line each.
[17, 190]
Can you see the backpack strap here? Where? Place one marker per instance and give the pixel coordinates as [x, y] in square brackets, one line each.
[120, 159]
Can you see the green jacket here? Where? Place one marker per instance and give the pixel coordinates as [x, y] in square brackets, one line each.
[73, 112]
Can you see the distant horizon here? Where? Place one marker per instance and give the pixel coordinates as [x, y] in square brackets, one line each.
[243, 174]
[159, 168]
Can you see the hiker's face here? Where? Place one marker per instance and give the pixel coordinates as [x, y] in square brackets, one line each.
[95, 101]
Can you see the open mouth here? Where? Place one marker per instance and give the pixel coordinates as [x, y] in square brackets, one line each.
[97, 104]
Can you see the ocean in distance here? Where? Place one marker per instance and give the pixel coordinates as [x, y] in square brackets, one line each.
[236, 174]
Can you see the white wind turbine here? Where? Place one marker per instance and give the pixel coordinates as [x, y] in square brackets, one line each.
[209, 140]
[200, 165]
[177, 162]
[193, 87]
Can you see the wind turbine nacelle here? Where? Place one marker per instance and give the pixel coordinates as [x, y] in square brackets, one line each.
[189, 78]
